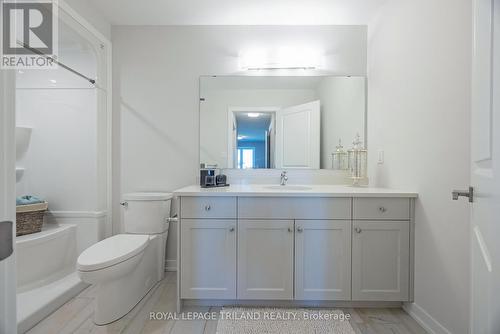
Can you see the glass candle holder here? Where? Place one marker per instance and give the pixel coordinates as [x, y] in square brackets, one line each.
[357, 157]
[339, 158]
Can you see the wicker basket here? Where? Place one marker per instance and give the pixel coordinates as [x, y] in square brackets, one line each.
[29, 218]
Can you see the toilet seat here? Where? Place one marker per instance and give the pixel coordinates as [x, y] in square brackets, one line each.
[111, 251]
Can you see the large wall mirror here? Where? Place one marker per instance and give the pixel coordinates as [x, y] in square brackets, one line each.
[252, 122]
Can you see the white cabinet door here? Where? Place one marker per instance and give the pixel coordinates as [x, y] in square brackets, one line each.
[298, 136]
[265, 259]
[208, 261]
[380, 261]
[322, 259]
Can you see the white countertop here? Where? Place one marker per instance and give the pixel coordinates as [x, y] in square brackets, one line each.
[272, 190]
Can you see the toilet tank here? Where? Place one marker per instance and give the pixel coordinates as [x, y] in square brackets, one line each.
[146, 213]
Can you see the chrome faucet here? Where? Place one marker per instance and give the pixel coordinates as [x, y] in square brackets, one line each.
[284, 178]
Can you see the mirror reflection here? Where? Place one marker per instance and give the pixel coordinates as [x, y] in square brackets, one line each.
[254, 131]
[249, 122]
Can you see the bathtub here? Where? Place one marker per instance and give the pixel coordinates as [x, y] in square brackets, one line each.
[46, 276]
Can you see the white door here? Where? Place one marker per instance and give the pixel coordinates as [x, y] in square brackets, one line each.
[208, 263]
[323, 259]
[380, 260]
[485, 170]
[265, 259]
[8, 323]
[298, 136]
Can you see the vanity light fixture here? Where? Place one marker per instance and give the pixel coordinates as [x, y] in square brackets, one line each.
[284, 58]
[253, 114]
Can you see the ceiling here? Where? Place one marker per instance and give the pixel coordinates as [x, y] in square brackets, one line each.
[237, 12]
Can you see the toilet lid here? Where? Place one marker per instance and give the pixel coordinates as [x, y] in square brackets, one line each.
[111, 251]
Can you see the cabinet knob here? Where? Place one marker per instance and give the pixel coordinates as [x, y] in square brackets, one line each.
[231, 229]
[207, 207]
[290, 229]
[300, 229]
[357, 230]
[382, 209]
[124, 204]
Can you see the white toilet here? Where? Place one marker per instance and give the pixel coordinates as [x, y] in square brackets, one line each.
[126, 266]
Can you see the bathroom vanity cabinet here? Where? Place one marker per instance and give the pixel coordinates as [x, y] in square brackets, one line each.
[327, 244]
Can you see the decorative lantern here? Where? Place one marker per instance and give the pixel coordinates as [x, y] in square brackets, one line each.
[339, 158]
[357, 157]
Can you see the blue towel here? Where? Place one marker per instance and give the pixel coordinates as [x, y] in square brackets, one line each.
[27, 199]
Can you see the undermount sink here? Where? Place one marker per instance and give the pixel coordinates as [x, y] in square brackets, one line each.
[288, 187]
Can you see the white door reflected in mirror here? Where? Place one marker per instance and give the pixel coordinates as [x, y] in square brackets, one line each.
[298, 136]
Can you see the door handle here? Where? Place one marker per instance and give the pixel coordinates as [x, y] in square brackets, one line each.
[463, 193]
[6, 246]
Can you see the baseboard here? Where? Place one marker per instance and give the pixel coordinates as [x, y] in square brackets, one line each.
[171, 265]
[424, 319]
[290, 303]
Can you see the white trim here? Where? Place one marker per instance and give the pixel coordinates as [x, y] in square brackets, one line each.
[8, 282]
[230, 149]
[424, 319]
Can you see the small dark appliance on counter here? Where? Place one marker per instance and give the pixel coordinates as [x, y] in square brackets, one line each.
[208, 179]
[221, 179]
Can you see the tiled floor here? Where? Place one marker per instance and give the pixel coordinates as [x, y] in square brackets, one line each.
[76, 317]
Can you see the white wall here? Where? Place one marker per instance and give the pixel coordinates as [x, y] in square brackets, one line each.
[343, 111]
[155, 88]
[418, 112]
[60, 160]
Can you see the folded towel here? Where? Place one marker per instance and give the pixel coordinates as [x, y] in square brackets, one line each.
[25, 200]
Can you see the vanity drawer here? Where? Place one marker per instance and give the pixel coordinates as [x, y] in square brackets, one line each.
[294, 208]
[381, 208]
[208, 207]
